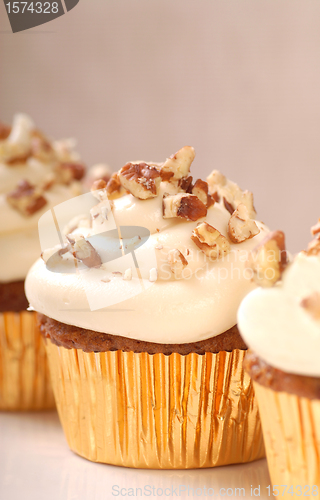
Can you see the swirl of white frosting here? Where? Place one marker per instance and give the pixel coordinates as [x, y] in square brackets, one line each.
[278, 327]
[200, 304]
[19, 239]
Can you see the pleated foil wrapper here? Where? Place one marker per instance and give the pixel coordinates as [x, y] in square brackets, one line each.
[24, 372]
[156, 411]
[291, 428]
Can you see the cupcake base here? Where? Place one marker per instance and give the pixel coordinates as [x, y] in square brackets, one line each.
[292, 437]
[156, 411]
[289, 407]
[24, 375]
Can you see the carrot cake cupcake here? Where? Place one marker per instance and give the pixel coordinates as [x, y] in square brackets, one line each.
[138, 307]
[35, 174]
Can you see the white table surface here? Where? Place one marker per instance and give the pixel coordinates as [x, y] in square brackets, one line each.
[36, 464]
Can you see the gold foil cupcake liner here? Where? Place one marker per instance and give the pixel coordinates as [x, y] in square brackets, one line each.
[24, 373]
[291, 428]
[156, 411]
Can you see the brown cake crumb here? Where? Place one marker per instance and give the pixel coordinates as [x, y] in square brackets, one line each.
[73, 337]
[280, 381]
[12, 297]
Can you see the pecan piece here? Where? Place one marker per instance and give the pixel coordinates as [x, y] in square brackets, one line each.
[68, 172]
[178, 165]
[4, 131]
[210, 241]
[141, 180]
[240, 226]
[114, 185]
[316, 229]
[84, 251]
[200, 189]
[26, 198]
[41, 147]
[268, 259]
[221, 188]
[314, 247]
[186, 184]
[177, 262]
[187, 206]
[312, 305]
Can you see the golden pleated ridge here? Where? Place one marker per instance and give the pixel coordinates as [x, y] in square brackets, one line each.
[24, 372]
[291, 428]
[156, 411]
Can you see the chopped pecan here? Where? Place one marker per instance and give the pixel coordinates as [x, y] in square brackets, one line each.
[312, 305]
[178, 165]
[41, 147]
[210, 241]
[26, 198]
[316, 228]
[216, 196]
[114, 185]
[314, 247]
[99, 184]
[84, 251]
[200, 189]
[186, 184]
[240, 226]
[185, 205]
[68, 172]
[268, 259]
[99, 190]
[177, 262]
[140, 179]
[4, 131]
[232, 195]
[228, 206]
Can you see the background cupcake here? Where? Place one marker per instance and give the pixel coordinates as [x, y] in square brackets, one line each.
[35, 174]
[281, 325]
[144, 351]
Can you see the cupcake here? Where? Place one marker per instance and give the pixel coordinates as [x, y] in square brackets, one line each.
[138, 308]
[35, 174]
[280, 322]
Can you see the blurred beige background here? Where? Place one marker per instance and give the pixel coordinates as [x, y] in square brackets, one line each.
[137, 79]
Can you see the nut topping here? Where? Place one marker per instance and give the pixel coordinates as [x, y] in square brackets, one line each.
[4, 131]
[200, 189]
[84, 251]
[210, 241]
[312, 305]
[26, 198]
[41, 147]
[68, 172]
[221, 188]
[186, 184]
[240, 226]
[187, 206]
[314, 247]
[177, 262]
[141, 180]
[316, 229]
[178, 165]
[269, 259]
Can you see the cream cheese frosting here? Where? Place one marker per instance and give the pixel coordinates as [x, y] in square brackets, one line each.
[170, 291]
[277, 324]
[27, 156]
